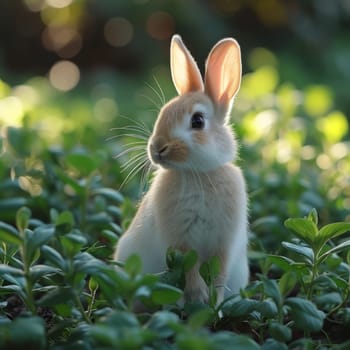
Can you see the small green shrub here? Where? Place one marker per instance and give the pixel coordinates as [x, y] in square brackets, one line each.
[69, 297]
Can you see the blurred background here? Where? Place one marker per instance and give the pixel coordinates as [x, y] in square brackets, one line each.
[70, 70]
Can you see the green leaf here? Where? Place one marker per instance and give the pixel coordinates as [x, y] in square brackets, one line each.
[239, 307]
[9, 234]
[133, 265]
[109, 193]
[305, 314]
[84, 163]
[313, 216]
[271, 289]
[35, 239]
[64, 222]
[54, 257]
[331, 231]
[190, 259]
[305, 229]
[161, 321]
[11, 204]
[339, 282]
[93, 285]
[72, 242]
[121, 319]
[23, 216]
[6, 269]
[114, 211]
[41, 235]
[272, 344]
[174, 258]
[59, 295]
[328, 300]
[165, 294]
[267, 308]
[201, 318]
[195, 341]
[300, 250]
[26, 333]
[110, 236]
[335, 249]
[282, 262]
[39, 271]
[210, 269]
[228, 340]
[287, 282]
[279, 331]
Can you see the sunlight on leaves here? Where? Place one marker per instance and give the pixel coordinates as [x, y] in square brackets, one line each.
[334, 126]
[264, 80]
[260, 56]
[318, 100]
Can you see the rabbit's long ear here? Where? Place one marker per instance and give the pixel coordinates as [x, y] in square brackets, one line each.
[223, 73]
[184, 70]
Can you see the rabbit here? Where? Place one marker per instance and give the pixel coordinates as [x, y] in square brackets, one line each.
[197, 199]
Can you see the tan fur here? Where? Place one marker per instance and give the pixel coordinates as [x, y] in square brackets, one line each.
[173, 112]
[200, 137]
[178, 151]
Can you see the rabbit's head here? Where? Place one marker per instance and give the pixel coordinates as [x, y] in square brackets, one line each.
[191, 131]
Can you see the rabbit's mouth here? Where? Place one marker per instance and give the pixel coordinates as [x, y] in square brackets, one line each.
[160, 160]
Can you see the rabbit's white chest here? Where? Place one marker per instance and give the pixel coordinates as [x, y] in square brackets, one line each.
[196, 213]
[196, 221]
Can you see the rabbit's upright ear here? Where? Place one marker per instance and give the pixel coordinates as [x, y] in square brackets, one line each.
[223, 73]
[184, 70]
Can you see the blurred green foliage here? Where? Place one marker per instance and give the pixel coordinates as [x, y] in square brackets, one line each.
[73, 72]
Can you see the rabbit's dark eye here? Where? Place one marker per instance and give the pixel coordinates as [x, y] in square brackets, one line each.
[197, 121]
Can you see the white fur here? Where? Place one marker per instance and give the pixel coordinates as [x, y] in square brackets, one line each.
[197, 199]
[196, 211]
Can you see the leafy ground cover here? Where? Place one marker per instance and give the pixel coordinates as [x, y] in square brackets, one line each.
[62, 214]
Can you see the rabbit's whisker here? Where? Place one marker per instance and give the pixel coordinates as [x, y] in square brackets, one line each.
[140, 124]
[161, 94]
[134, 171]
[145, 175]
[152, 101]
[132, 161]
[129, 150]
[160, 97]
[135, 136]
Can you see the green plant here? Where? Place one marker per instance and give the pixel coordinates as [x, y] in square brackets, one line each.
[316, 248]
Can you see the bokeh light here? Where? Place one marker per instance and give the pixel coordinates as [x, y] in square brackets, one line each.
[160, 25]
[318, 100]
[35, 5]
[64, 75]
[11, 111]
[118, 31]
[58, 3]
[64, 40]
[28, 96]
[56, 16]
[105, 110]
[334, 126]
[339, 150]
